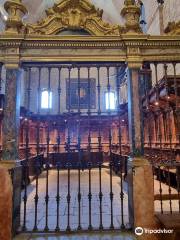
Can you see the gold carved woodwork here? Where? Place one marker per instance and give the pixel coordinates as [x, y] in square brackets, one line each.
[132, 48]
[16, 11]
[131, 12]
[173, 28]
[134, 57]
[74, 15]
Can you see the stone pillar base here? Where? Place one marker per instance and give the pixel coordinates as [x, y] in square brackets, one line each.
[141, 194]
[5, 204]
[14, 170]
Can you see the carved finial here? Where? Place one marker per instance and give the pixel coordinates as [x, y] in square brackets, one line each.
[16, 11]
[131, 12]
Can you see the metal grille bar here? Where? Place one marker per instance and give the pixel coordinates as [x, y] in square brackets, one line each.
[63, 144]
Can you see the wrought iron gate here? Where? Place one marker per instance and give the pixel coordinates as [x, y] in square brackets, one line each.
[71, 134]
[161, 116]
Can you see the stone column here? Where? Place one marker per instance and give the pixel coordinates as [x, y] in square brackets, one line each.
[11, 119]
[10, 138]
[135, 113]
[140, 177]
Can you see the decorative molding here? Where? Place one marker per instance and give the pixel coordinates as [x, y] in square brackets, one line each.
[92, 42]
[173, 28]
[133, 51]
[130, 48]
[74, 15]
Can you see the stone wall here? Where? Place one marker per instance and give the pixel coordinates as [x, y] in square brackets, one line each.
[152, 17]
[1, 25]
[2, 18]
[171, 12]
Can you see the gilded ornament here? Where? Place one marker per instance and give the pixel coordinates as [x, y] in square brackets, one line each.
[74, 15]
[173, 28]
[16, 10]
[131, 12]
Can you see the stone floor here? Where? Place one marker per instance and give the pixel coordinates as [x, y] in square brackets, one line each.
[95, 236]
[106, 212]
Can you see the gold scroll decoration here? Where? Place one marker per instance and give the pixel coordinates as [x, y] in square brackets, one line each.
[173, 28]
[74, 15]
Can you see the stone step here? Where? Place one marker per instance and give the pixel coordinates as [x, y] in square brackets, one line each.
[79, 236]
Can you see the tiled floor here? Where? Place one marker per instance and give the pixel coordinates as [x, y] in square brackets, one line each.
[106, 209]
[96, 236]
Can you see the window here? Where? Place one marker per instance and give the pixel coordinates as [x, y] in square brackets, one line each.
[46, 99]
[110, 100]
